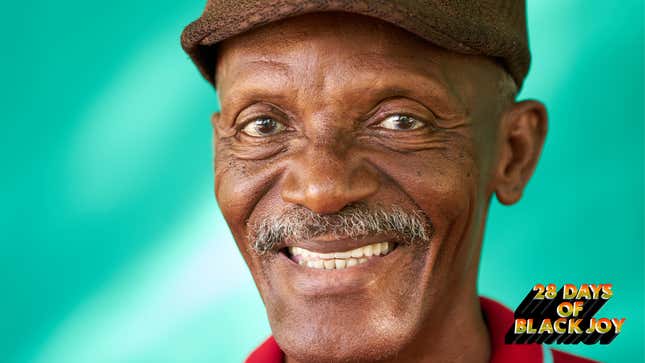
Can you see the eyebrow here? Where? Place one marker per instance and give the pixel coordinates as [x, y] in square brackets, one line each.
[438, 89]
[272, 65]
[377, 59]
[371, 60]
[282, 73]
[251, 69]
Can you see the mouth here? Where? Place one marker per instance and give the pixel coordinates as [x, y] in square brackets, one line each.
[340, 267]
[338, 260]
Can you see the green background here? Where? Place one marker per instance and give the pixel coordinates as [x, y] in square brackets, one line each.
[112, 246]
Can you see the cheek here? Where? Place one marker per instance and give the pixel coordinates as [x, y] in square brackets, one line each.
[240, 188]
[444, 183]
[229, 185]
[441, 182]
[239, 185]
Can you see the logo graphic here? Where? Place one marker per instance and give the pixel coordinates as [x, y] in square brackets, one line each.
[565, 316]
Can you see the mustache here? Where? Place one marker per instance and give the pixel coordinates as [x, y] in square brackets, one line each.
[356, 220]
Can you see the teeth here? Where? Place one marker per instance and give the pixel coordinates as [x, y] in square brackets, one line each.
[339, 260]
[367, 250]
[385, 248]
[347, 254]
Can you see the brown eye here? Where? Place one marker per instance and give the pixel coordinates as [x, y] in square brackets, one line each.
[263, 127]
[401, 123]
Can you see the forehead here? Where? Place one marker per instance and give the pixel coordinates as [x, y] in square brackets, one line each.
[338, 53]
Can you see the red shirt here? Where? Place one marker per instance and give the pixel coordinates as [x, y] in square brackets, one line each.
[498, 320]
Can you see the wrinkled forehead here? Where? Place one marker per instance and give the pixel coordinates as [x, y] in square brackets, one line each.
[339, 29]
[344, 47]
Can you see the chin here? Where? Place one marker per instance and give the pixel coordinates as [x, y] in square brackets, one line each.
[348, 342]
[370, 312]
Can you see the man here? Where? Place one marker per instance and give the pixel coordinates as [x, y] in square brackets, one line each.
[357, 149]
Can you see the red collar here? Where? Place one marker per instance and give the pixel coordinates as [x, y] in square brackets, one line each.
[498, 320]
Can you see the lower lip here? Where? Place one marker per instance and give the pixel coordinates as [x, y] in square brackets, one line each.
[315, 282]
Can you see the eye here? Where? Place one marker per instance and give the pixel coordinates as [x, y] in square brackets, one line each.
[401, 123]
[263, 127]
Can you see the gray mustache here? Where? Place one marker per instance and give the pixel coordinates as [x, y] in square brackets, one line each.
[357, 220]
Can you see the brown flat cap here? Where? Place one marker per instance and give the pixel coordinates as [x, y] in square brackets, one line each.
[495, 28]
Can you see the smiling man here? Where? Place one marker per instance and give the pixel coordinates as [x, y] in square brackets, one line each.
[357, 149]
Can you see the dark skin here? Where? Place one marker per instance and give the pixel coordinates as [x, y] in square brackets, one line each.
[325, 110]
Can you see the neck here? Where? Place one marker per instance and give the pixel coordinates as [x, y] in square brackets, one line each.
[456, 333]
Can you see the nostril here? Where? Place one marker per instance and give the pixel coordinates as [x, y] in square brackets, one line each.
[320, 195]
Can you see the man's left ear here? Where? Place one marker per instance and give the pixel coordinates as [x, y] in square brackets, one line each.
[522, 130]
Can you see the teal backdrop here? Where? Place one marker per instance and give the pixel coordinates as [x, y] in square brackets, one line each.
[112, 246]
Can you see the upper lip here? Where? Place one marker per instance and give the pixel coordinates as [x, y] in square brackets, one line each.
[323, 244]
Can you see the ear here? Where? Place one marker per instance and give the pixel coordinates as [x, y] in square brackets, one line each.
[523, 130]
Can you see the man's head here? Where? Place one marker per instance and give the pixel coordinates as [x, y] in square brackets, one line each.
[341, 131]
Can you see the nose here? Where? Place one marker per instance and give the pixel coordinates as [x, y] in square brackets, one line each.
[325, 181]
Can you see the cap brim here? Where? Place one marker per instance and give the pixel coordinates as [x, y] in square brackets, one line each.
[438, 25]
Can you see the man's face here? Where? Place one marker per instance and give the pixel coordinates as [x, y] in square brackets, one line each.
[332, 121]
